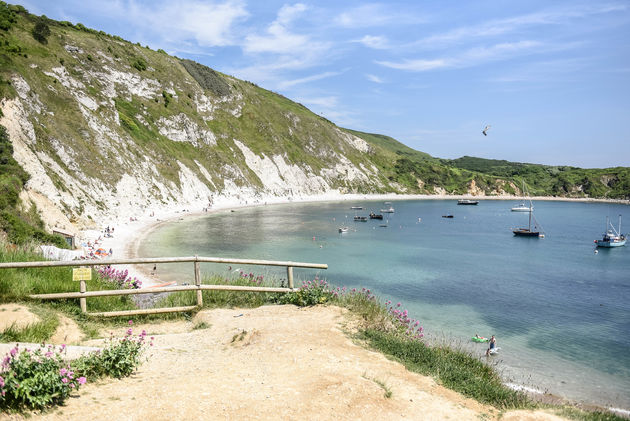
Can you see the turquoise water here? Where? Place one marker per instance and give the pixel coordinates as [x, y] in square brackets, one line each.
[560, 311]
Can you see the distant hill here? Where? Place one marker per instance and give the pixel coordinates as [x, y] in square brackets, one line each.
[100, 128]
[561, 181]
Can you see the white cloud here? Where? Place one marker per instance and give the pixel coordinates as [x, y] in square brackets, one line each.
[416, 65]
[208, 23]
[376, 42]
[469, 58]
[499, 27]
[278, 39]
[290, 83]
[370, 15]
[374, 78]
[322, 101]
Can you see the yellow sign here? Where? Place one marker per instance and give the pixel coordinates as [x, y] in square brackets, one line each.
[82, 274]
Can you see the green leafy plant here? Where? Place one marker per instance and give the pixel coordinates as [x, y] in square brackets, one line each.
[36, 379]
[41, 31]
[119, 358]
[310, 293]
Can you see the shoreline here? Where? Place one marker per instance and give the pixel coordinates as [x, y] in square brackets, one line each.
[128, 235]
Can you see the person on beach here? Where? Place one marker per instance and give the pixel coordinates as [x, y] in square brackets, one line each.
[493, 344]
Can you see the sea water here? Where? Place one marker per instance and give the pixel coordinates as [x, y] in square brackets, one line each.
[559, 309]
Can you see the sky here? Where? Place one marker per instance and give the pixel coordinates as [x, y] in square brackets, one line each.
[552, 79]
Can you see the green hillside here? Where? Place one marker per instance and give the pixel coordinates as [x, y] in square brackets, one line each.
[560, 181]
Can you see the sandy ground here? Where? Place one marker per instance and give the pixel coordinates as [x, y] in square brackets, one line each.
[269, 363]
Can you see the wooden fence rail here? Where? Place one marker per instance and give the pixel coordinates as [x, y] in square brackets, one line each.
[83, 294]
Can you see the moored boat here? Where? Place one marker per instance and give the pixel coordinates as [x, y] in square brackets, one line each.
[612, 237]
[531, 230]
[343, 229]
[467, 202]
[447, 216]
[388, 210]
[522, 208]
[356, 207]
[375, 216]
[360, 218]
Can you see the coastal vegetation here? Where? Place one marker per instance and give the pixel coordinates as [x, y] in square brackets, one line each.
[383, 326]
[136, 134]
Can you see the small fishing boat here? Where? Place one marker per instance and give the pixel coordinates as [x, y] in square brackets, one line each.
[375, 216]
[447, 216]
[356, 207]
[467, 202]
[388, 210]
[612, 237]
[343, 229]
[360, 218]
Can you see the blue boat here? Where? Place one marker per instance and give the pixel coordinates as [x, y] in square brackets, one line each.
[612, 237]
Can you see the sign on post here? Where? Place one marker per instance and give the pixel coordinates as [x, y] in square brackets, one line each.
[82, 274]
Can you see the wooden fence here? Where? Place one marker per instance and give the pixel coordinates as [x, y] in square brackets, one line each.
[83, 294]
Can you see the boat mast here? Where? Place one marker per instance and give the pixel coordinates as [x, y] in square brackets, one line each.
[619, 233]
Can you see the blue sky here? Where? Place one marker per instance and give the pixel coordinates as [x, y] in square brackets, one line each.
[551, 78]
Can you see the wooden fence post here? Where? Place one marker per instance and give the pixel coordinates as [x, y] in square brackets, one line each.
[290, 276]
[198, 283]
[82, 301]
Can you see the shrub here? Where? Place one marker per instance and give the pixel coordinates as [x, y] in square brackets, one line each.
[41, 31]
[120, 278]
[310, 293]
[36, 379]
[118, 359]
[139, 64]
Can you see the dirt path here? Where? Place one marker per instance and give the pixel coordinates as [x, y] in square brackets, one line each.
[269, 363]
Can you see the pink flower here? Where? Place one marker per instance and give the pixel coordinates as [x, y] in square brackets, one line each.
[81, 380]
[64, 380]
[63, 372]
[130, 322]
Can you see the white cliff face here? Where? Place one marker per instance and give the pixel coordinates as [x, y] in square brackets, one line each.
[180, 128]
[65, 191]
[354, 141]
[280, 178]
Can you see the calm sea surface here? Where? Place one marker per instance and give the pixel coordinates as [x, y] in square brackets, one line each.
[560, 311]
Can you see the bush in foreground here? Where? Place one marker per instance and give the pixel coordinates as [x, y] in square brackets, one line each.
[38, 379]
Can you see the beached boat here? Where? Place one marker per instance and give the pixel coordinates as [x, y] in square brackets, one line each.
[467, 202]
[375, 216]
[612, 237]
[388, 210]
[343, 229]
[360, 218]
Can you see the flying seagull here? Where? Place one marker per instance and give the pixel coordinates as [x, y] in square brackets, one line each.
[485, 130]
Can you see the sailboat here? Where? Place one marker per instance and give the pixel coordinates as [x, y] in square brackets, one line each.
[530, 231]
[523, 207]
[612, 237]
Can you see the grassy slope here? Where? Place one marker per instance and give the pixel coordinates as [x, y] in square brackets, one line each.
[547, 180]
